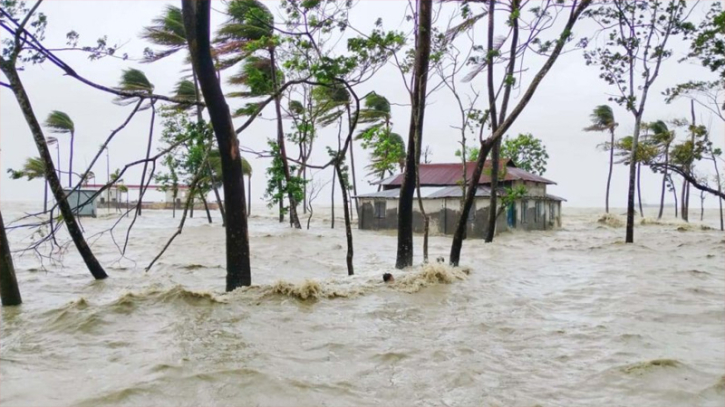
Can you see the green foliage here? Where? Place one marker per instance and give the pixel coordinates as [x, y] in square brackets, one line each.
[256, 73]
[59, 122]
[708, 45]
[512, 194]
[642, 49]
[167, 31]
[277, 186]
[33, 168]
[528, 152]
[602, 119]
[387, 149]
[471, 153]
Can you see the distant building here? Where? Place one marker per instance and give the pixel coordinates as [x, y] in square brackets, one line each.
[81, 202]
[441, 192]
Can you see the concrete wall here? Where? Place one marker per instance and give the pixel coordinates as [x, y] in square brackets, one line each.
[443, 216]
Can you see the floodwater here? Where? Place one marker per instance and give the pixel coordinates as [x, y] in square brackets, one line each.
[557, 318]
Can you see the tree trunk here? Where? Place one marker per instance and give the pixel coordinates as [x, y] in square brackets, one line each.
[426, 221]
[45, 197]
[702, 205]
[348, 228]
[664, 181]
[611, 166]
[206, 206]
[55, 186]
[332, 199]
[282, 149]
[404, 256]
[142, 187]
[281, 204]
[191, 210]
[683, 201]
[629, 238]
[674, 195]
[9, 291]
[249, 195]
[196, 22]
[352, 166]
[491, 230]
[70, 161]
[217, 196]
[639, 190]
[503, 127]
[173, 210]
[719, 189]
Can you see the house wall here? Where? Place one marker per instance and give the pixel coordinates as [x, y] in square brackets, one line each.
[532, 188]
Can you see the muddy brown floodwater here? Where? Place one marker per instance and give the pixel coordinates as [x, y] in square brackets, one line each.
[558, 318]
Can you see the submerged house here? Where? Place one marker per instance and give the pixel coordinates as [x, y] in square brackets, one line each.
[441, 193]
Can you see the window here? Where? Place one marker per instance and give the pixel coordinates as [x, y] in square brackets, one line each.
[524, 206]
[380, 209]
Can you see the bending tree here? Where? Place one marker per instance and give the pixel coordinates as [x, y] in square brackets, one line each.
[603, 120]
[9, 291]
[637, 37]
[61, 123]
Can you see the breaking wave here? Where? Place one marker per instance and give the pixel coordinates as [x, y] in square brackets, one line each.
[610, 220]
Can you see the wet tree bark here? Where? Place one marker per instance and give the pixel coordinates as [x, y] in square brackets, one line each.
[50, 174]
[9, 291]
[629, 234]
[249, 195]
[196, 23]
[348, 227]
[404, 256]
[495, 160]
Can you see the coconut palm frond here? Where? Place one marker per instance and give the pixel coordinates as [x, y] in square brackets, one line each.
[466, 24]
[247, 110]
[248, 20]
[185, 90]
[602, 119]
[33, 168]
[59, 122]
[134, 80]
[51, 140]
[483, 63]
[166, 31]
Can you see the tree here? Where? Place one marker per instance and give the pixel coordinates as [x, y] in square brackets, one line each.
[404, 256]
[603, 120]
[9, 291]
[387, 148]
[60, 123]
[637, 37]
[8, 65]
[551, 48]
[528, 152]
[32, 168]
[250, 29]
[196, 15]
[663, 137]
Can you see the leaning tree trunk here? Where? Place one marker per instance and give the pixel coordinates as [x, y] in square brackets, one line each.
[45, 197]
[674, 195]
[142, 187]
[492, 213]
[664, 181]
[719, 189]
[206, 206]
[196, 23]
[404, 257]
[611, 166]
[683, 201]
[352, 166]
[457, 244]
[55, 186]
[348, 227]
[9, 291]
[702, 205]
[294, 220]
[639, 190]
[217, 196]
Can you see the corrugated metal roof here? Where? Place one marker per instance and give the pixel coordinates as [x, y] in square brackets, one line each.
[555, 198]
[451, 174]
[428, 193]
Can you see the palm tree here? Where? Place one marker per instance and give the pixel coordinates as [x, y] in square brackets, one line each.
[166, 31]
[251, 21]
[603, 120]
[60, 123]
[662, 136]
[33, 168]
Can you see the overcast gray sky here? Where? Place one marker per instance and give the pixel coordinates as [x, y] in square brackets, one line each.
[557, 114]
